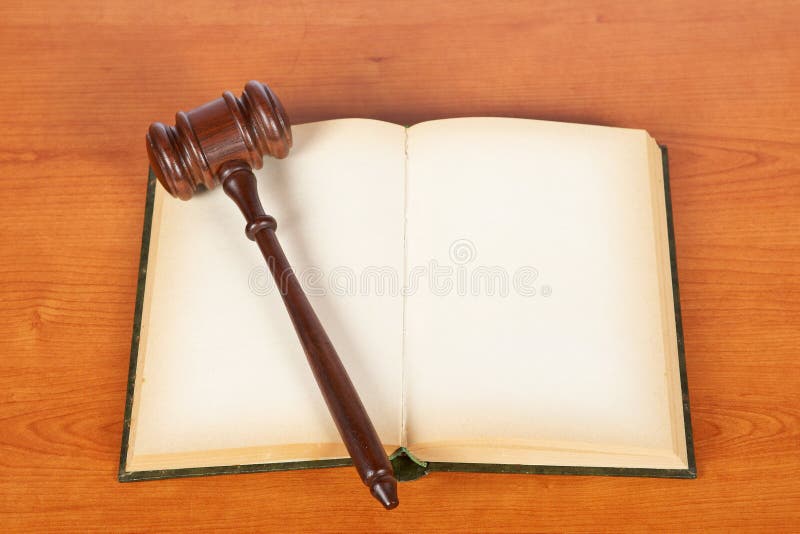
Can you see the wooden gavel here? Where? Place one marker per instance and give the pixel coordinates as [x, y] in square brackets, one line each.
[220, 143]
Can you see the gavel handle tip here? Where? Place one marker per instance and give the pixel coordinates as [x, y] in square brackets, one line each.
[385, 491]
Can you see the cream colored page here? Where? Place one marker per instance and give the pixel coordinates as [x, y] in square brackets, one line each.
[543, 323]
[222, 366]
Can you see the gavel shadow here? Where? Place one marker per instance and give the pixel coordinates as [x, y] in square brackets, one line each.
[208, 146]
[283, 193]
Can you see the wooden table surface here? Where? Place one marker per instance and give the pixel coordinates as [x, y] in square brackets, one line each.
[719, 82]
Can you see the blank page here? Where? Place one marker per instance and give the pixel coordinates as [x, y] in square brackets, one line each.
[542, 329]
[222, 378]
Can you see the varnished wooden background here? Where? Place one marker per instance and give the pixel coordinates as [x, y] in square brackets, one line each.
[719, 82]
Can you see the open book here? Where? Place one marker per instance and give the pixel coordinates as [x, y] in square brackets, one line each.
[501, 291]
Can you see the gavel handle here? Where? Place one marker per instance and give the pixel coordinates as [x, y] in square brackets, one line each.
[345, 406]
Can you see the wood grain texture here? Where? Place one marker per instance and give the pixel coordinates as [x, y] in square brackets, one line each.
[718, 82]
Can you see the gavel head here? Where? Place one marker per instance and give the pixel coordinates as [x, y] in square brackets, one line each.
[227, 131]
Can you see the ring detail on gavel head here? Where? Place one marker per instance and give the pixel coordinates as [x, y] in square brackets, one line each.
[192, 154]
